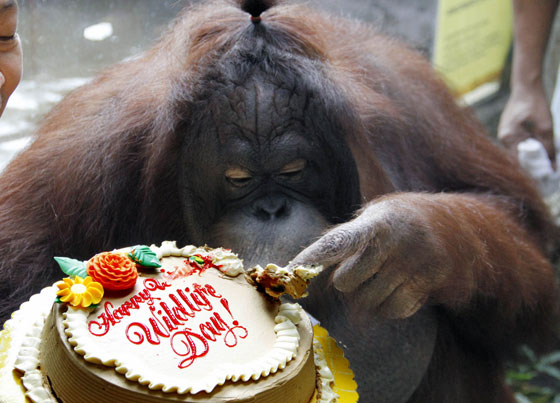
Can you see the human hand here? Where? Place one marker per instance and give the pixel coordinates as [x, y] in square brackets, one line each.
[527, 115]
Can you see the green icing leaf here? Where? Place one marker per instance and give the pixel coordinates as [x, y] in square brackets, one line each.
[196, 259]
[72, 267]
[144, 256]
[57, 300]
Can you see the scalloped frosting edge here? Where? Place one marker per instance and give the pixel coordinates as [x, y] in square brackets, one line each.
[325, 377]
[27, 359]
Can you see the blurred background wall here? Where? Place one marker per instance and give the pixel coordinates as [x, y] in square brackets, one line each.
[65, 42]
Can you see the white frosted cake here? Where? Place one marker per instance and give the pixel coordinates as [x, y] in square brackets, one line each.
[168, 324]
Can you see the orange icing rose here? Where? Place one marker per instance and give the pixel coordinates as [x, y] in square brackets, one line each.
[115, 271]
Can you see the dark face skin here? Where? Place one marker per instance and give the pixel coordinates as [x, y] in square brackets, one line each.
[264, 182]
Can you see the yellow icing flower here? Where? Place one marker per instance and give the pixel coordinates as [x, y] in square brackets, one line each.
[80, 292]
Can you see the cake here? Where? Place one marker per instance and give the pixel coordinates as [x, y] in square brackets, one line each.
[291, 280]
[158, 324]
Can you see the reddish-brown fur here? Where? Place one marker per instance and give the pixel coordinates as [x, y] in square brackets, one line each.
[102, 174]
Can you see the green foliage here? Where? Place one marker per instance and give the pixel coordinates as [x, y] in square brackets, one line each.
[535, 379]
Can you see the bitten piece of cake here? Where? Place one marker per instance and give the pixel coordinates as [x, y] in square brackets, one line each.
[277, 280]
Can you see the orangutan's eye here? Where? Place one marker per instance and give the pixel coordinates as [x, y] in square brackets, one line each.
[238, 176]
[293, 170]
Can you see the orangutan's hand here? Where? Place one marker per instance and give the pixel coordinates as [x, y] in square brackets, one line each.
[388, 261]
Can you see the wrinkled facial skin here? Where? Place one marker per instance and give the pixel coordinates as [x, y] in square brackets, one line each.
[265, 174]
[10, 51]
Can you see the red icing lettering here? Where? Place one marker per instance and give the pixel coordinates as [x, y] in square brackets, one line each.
[117, 315]
[136, 300]
[152, 284]
[179, 309]
[225, 303]
[169, 314]
[172, 318]
[199, 297]
[214, 327]
[139, 337]
[155, 326]
[144, 296]
[186, 343]
[230, 339]
[105, 321]
[211, 291]
[186, 299]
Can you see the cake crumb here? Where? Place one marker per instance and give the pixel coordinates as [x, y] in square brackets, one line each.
[277, 280]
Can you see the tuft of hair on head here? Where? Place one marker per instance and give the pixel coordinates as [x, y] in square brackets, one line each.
[256, 7]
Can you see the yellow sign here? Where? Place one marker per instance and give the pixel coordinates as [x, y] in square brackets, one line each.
[472, 42]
